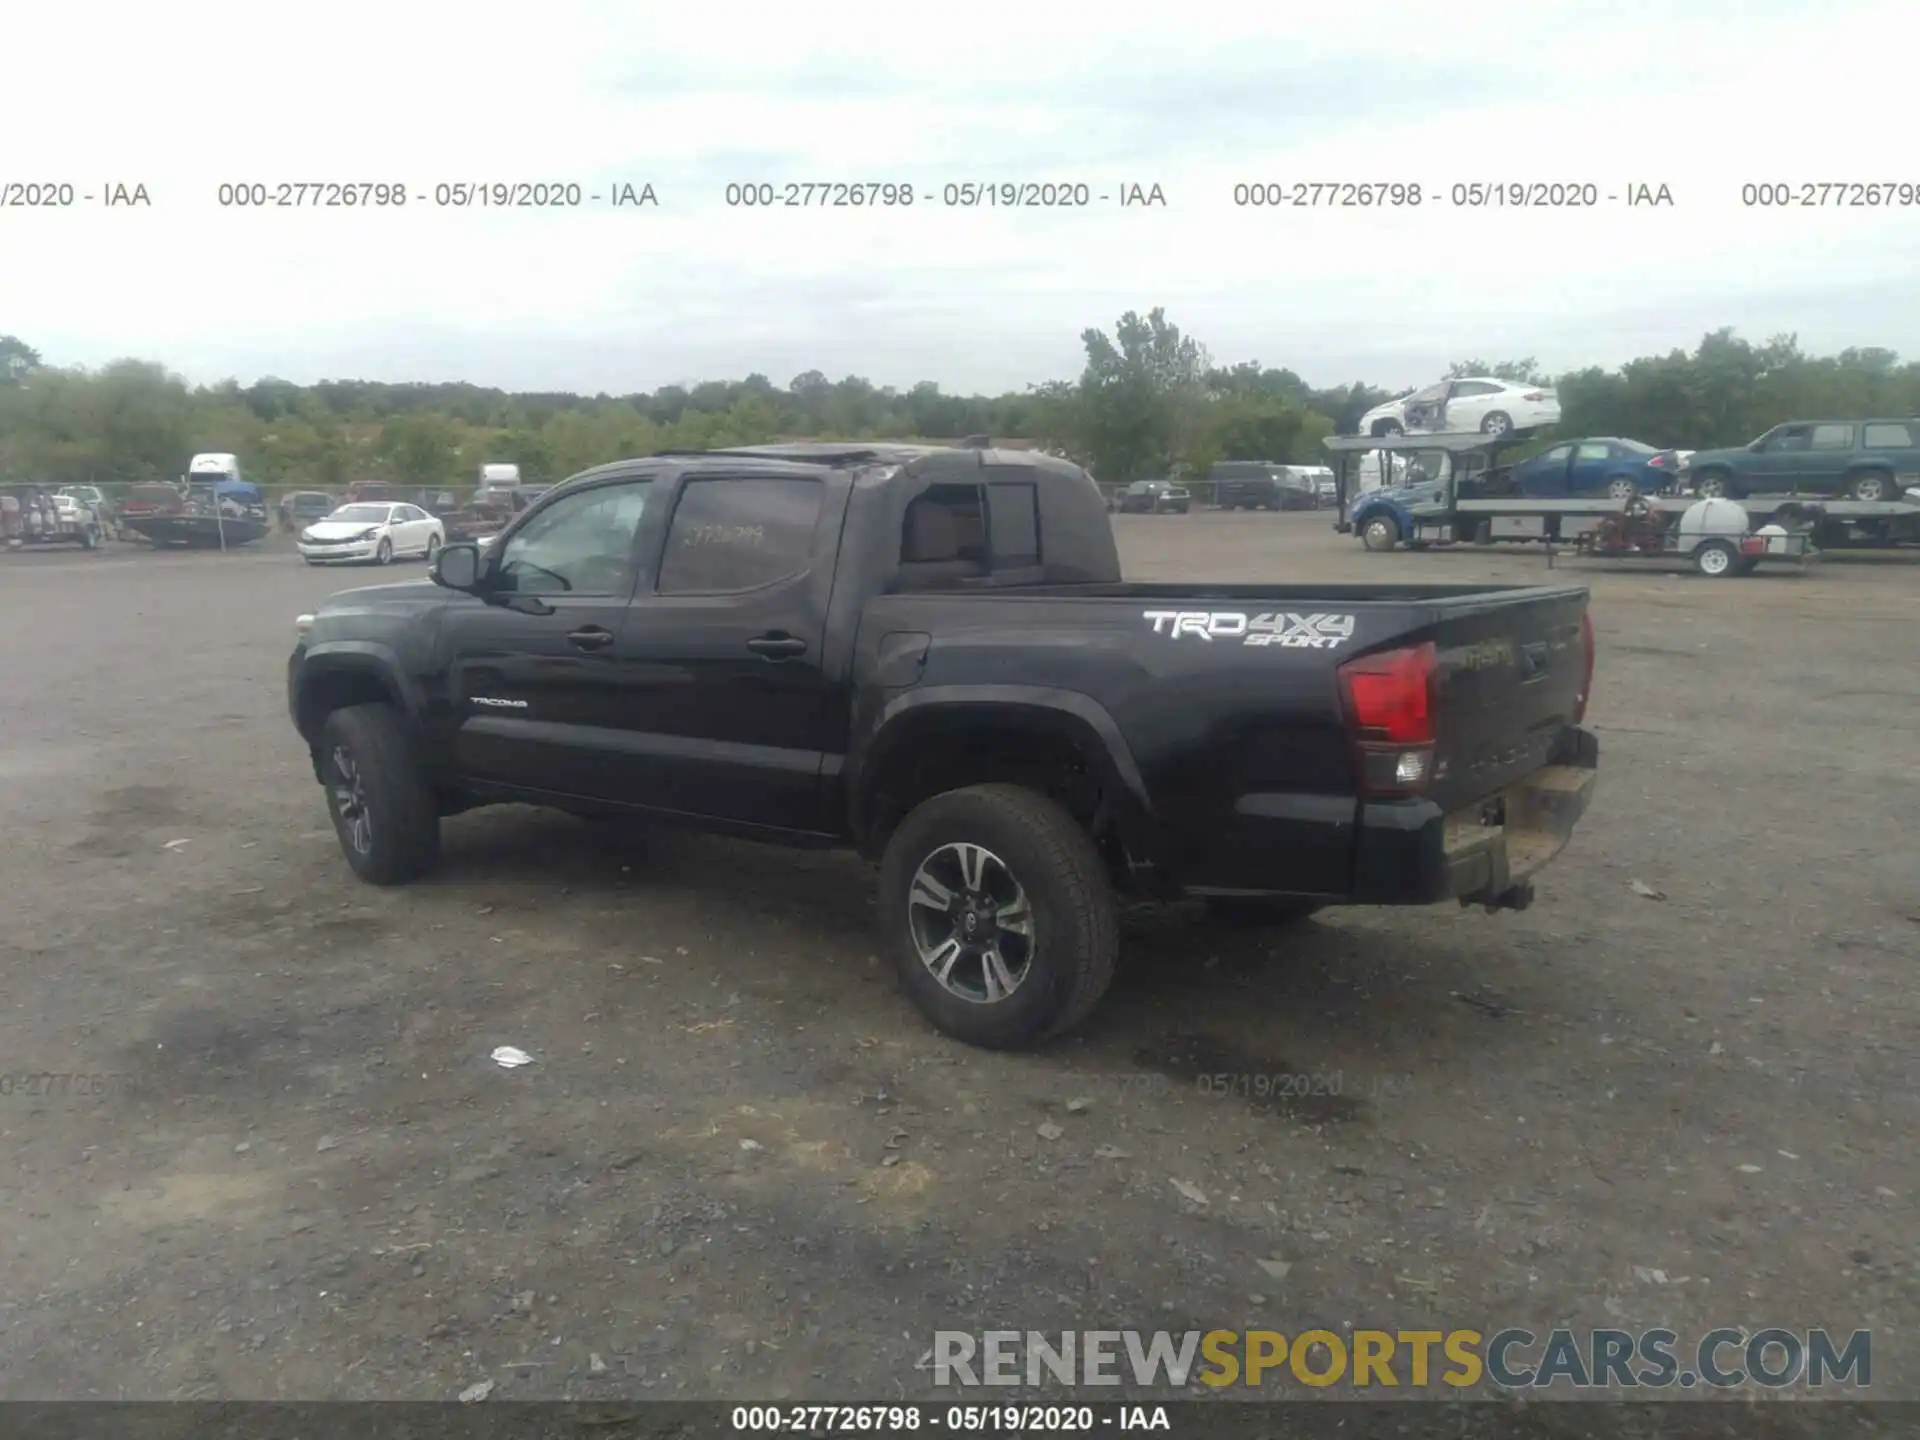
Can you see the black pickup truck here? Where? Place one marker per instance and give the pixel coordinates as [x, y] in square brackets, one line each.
[929, 654]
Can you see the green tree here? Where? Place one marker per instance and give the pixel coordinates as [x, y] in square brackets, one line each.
[421, 448]
[17, 359]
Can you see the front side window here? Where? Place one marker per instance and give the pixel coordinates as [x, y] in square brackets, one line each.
[734, 535]
[579, 545]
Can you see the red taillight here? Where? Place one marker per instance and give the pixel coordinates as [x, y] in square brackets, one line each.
[1536, 396]
[1389, 695]
[1659, 462]
[1586, 671]
[1389, 712]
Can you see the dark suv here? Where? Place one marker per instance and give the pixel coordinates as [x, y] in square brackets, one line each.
[302, 507]
[1861, 459]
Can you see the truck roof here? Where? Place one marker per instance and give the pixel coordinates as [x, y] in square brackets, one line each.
[838, 455]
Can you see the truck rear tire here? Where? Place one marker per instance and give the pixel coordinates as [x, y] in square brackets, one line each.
[383, 813]
[998, 911]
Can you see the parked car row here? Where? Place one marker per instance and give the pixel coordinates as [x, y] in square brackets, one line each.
[1150, 497]
[1237, 485]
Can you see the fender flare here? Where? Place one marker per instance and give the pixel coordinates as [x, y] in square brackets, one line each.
[355, 657]
[1066, 712]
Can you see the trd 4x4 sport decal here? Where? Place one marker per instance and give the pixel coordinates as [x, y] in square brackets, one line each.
[1292, 632]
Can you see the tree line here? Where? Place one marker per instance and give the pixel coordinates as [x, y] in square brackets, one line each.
[1149, 401]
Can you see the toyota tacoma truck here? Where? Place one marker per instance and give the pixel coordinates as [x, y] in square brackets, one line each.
[928, 654]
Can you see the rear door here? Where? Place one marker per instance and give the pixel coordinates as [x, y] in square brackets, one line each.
[1511, 668]
[1893, 444]
[1827, 458]
[733, 715]
[1468, 403]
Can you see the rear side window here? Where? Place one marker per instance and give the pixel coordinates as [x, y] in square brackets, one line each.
[1558, 455]
[1832, 437]
[1595, 450]
[1013, 525]
[733, 535]
[1888, 437]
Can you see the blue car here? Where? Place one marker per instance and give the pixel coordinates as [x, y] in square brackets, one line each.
[1604, 465]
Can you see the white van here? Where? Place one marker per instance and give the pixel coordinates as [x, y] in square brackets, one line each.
[499, 477]
[1317, 479]
[205, 469]
[1367, 474]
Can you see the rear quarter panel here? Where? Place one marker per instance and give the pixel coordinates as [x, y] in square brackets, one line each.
[1225, 702]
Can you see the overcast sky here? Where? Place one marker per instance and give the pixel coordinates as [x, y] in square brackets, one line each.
[1700, 97]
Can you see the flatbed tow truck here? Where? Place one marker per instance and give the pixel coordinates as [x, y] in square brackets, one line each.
[1451, 494]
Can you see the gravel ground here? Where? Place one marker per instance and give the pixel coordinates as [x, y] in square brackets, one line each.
[742, 1165]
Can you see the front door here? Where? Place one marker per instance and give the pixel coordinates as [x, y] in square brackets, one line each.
[1588, 473]
[723, 650]
[1548, 475]
[1777, 464]
[532, 665]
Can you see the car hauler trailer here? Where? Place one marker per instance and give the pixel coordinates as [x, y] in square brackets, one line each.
[1451, 494]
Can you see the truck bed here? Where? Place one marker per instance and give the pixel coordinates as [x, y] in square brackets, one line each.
[1227, 701]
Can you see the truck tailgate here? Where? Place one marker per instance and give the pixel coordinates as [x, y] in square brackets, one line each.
[1511, 668]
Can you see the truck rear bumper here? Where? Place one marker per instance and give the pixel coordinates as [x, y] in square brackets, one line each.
[1416, 854]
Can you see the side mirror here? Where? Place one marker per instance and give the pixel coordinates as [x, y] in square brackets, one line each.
[457, 567]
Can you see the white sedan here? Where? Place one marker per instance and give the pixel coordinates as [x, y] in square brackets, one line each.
[1472, 402]
[381, 532]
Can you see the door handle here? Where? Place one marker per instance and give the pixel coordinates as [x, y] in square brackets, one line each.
[590, 637]
[777, 646]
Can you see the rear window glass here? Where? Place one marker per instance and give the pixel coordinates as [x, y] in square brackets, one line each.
[1013, 525]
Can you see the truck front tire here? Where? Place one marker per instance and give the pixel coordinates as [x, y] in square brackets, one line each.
[1381, 533]
[383, 813]
[998, 911]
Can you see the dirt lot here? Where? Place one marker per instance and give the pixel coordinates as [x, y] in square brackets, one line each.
[743, 1166]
